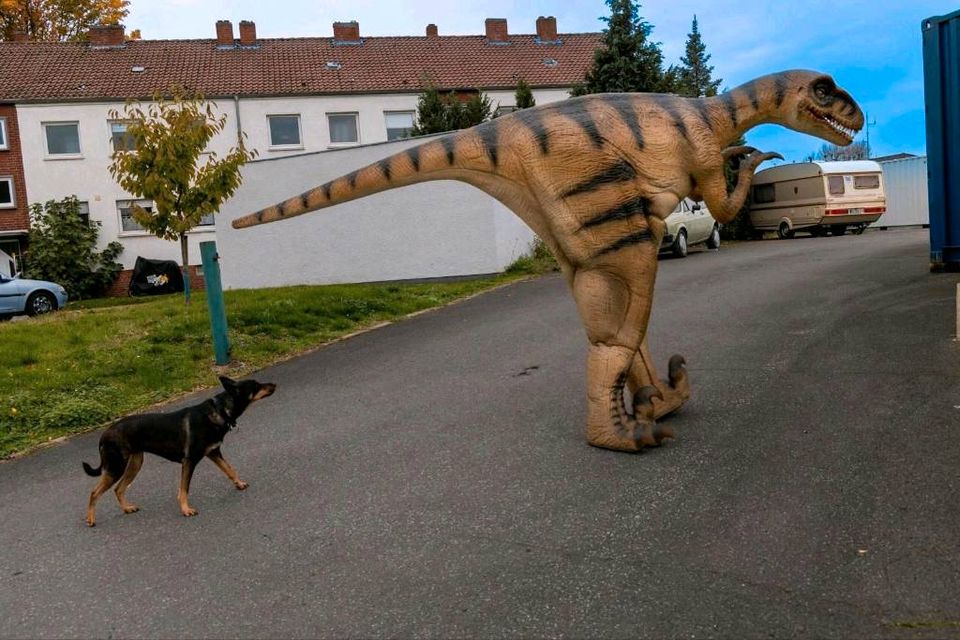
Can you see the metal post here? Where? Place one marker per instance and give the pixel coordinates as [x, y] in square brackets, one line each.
[218, 313]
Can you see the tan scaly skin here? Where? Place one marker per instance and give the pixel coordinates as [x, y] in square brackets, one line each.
[595, 177]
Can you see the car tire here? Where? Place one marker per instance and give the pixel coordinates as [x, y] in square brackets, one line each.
[41, 302]
[680, 244]
[784, 232]
[713, 242]
[838, 229]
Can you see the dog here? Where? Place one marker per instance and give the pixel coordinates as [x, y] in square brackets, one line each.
[185, 436]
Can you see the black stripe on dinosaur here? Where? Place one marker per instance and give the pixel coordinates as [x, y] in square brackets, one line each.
[449, 147]
[305, 199]
[629, 117]
[635, 207]
[751, 88]
[730, 104]
[414, 154]
[636, 237]
[704, 112]
[352, 179]
[326, 190]
[620, 171]
[385, 168]
[780, 88]
[667, 104]
[584, 119]
[532, 120]
[488, 138]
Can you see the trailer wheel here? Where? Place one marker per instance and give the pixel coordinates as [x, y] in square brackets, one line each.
[817, 231]
[784, 232]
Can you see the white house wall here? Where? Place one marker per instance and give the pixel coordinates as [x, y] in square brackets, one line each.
[88, 176]
[905, 184]
[429, 230]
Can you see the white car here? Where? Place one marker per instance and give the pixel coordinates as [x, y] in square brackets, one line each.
[32, 297]
[690, 224]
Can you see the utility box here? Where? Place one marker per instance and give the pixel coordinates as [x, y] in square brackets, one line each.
[941, 75]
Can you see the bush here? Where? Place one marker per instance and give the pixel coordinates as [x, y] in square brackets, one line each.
[63, 249]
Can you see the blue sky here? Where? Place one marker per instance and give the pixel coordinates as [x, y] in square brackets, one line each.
[872, 48]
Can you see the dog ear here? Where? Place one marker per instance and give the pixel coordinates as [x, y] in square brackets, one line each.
[227, 383]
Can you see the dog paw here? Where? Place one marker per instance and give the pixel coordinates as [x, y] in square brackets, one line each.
[91, 522]
[131, 508]
[240, 485]
[189, 511]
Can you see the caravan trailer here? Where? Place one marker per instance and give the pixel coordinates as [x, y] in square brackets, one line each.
[817, 197]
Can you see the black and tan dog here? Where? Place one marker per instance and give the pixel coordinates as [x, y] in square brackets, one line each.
[185, 436]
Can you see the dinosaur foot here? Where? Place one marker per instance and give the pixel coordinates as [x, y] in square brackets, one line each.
[675, 390]
[621, 431]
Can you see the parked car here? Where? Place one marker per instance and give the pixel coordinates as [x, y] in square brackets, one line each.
[32, 297]
[690, 224]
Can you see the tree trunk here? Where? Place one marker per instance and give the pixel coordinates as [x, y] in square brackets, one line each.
[185, 266]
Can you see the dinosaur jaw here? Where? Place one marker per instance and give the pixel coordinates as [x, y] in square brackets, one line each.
[830, 128]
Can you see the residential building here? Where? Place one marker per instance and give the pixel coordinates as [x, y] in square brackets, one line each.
[14, 217]
[283, 96]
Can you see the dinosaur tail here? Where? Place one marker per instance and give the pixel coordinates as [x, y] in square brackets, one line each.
[452, 157]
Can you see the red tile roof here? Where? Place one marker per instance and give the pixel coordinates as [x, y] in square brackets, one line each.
[41, 71]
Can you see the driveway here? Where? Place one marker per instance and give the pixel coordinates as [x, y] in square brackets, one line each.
[431, 478]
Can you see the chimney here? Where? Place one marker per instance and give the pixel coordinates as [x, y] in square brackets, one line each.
[248, 33]
[106, 35]
[496, 30]
[346, 32]
[21, 36]
[224, 33]
[432, 30]
[547, 29]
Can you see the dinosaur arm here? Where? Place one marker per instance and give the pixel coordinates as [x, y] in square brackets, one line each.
[712, 185]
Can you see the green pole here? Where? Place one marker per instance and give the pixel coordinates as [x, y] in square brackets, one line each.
[218, 313]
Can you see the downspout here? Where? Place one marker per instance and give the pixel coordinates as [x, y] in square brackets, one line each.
[236, 110]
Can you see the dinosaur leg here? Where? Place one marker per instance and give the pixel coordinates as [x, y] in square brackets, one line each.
[713, 186]
[674, 391]
[614, 302]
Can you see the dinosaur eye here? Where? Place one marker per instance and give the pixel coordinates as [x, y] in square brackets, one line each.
[822, 91]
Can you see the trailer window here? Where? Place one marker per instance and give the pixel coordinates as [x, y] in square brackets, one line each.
[835, 184]
[866, 182]
[764, 193]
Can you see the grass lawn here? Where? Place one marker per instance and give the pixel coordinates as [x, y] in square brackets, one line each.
[76, 369]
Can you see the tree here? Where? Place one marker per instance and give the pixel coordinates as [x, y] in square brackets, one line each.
[163, 166]
[695, 75]
[437, 113]
[57, 20]
[63, 249]
[628, 60]
[523, 97]
[830, 152]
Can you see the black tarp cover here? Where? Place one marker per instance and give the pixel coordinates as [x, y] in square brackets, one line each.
[153, 277]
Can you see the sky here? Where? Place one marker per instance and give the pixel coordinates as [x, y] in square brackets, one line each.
[871, 47]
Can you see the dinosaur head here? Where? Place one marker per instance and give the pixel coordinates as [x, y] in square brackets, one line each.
[814, 104]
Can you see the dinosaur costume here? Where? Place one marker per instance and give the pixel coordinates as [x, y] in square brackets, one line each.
[595, 177]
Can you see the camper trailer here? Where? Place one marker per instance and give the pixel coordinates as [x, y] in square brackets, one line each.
[817, 197]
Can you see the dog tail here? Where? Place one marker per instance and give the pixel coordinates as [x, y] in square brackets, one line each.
[91, 471]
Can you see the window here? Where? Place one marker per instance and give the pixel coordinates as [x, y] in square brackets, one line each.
[127, 222]
[343, 128]
[119, 138]
[4, 144]
[835, 185]
[63, 138]
[399, 124]
[206, 221]
[866, 182]
[7, 201]
[83, 209]
[284, 131]
[763, 193]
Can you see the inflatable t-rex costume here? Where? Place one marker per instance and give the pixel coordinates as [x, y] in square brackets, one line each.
[595, 177]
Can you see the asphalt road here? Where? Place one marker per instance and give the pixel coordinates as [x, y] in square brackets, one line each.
[431, 479]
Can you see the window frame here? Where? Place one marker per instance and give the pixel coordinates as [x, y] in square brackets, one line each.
[872, 176]
[132, 232]
[356, 120]
[46, 141]
[831, 180]
[4, 134]
[13, 193]
[409, 130]
[768, 189]
[110, 124]
[283, 147]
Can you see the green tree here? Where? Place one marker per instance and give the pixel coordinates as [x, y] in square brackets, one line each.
[57, 20]
[437, 113]
[479, 108]
[431, 112]
[627, 60]
[63, 249]
[163, 165]
[523, 97]
[695, 74]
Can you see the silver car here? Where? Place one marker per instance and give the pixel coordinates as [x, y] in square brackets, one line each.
[690, 224]
[32, 297]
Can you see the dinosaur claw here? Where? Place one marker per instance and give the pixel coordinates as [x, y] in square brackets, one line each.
[643, 402]
[662, 433]
[676, 369]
